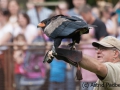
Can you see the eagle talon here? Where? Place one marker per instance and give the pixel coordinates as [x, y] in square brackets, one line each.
[48, 57]
[72, 46]
[54, 53]
[50, 60]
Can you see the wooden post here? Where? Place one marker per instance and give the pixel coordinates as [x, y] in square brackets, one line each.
[2, 85]
[8, 69]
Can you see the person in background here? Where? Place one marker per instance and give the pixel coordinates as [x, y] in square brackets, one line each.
[110, 19]
[62, 9]
[3, 4]
[13, 7]
[25, 28]
[5, 36]
[96, 12]
[18, 56]
[33, 69]
[29, 5]
[117, 10]
[75, 9]
[88, 49]
[57, 75]
[6, 29]
[38, 13]
[100, 29]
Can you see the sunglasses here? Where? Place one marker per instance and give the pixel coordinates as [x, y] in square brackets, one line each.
[101, 48]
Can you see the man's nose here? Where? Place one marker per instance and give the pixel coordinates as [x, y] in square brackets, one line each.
[98, 51]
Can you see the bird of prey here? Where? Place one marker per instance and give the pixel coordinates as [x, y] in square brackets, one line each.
[59, 27]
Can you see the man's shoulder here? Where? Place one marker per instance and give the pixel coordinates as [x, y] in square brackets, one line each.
[110, 63]
[113, 66]
[98, 21]
[111, 78]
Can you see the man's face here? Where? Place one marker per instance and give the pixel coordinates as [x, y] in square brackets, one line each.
[13, 7]
[78, 3]
[86, 16]
[105, 54]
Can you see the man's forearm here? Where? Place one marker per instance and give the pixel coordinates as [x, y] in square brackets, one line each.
[93, 65]
[87, 62]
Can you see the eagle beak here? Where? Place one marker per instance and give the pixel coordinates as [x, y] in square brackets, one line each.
[41, 25]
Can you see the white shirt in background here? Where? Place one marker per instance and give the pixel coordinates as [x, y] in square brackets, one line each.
[30, 32]
[6, 29]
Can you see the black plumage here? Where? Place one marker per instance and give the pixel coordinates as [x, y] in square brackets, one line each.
[60, 27]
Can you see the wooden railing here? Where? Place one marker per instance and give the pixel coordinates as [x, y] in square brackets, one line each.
[7, 64]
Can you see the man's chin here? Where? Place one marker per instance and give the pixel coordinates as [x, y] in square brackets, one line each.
[100, 60]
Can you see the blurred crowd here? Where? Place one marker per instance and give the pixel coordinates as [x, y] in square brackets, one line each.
[20, 27]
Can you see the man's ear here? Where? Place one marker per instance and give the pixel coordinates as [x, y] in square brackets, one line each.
[116, 54]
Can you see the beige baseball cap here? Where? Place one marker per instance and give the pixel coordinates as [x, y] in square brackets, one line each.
[108, 41]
